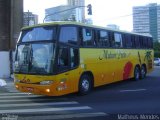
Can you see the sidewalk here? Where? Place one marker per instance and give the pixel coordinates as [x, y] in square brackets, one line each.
[2, 83]
[7, 85]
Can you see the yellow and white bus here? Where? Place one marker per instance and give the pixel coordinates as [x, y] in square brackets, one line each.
[64, 57]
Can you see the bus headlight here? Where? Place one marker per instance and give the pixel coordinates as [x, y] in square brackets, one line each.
[46, 82]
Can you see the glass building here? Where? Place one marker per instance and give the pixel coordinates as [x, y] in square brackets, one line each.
[29, 19]
[146, 20]
[73, 11]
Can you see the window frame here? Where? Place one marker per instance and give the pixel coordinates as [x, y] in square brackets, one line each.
[103, 43]
[92, 36]
[69, 67]
[78, 42]
[137, 42]
[119, 36]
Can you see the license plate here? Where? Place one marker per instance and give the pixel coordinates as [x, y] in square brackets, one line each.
[30, 89]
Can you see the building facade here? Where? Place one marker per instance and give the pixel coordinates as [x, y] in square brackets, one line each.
[76, 2]
[73, 11]
[11, 21]
[29, 19]
[80, 10]
[55, 14]
[146, 20]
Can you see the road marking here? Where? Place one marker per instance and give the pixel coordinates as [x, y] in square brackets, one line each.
[13, 93]
[11, 89]
[26, 96]
[136, 90]
[44, 110]
[22, 103]
[31, 100]
[38, 104]
[67, 116]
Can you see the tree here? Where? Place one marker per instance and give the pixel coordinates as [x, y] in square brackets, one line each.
[156, 46]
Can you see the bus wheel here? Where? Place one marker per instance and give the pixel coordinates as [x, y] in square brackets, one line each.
[143, 72]
[85, 84]
[136, 73]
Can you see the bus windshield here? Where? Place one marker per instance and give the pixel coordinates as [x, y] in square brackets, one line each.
[39, 34]
[37, 58]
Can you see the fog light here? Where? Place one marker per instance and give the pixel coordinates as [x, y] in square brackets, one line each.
[17, 86]
[48, 90]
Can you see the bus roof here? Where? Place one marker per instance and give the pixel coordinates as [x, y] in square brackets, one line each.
[82, 24]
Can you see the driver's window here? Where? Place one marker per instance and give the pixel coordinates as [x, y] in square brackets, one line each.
[68, 58]
[74, 55]
[63, 57]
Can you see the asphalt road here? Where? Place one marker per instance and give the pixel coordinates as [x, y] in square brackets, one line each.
[127, 96]
[132, 98]
[123, 100]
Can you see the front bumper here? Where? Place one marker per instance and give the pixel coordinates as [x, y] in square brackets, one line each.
[47, 90]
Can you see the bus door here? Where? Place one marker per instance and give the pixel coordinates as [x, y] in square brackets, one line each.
[68, 60]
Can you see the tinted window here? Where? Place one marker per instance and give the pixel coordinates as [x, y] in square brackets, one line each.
[87, 37]
[74, 57]
[68, 35]
[141, 42]
[39, 33]
[133, 41]
[103, 39]
[128, 41]
[111, 39]
[67, 57]
[137, 42]
[118, 39]
[145, 42]
[63, 57]
[150, 43]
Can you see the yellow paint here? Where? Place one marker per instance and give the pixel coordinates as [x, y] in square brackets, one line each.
[106, 65]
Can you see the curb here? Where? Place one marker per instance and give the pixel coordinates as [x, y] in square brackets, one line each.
[2, 83]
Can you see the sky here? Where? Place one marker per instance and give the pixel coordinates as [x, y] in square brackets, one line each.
[104, 12]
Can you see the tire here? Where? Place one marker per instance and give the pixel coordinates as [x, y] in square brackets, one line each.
[85, 84]
[136, 73]
[143, 72]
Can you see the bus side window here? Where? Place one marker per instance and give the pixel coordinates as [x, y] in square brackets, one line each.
[68, 35]
[124, 41]
[133, 41]
[95, 40]
[141, 42]
[128, 41]
[87, 37]
[145, 42]
[111, 39]
[137, 42]
[150, 44]
[118, 40]
[103, 39]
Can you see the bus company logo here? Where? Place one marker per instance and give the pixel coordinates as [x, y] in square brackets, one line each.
[25, 80]
[109, 55]
[148, 58]
[148, 55]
